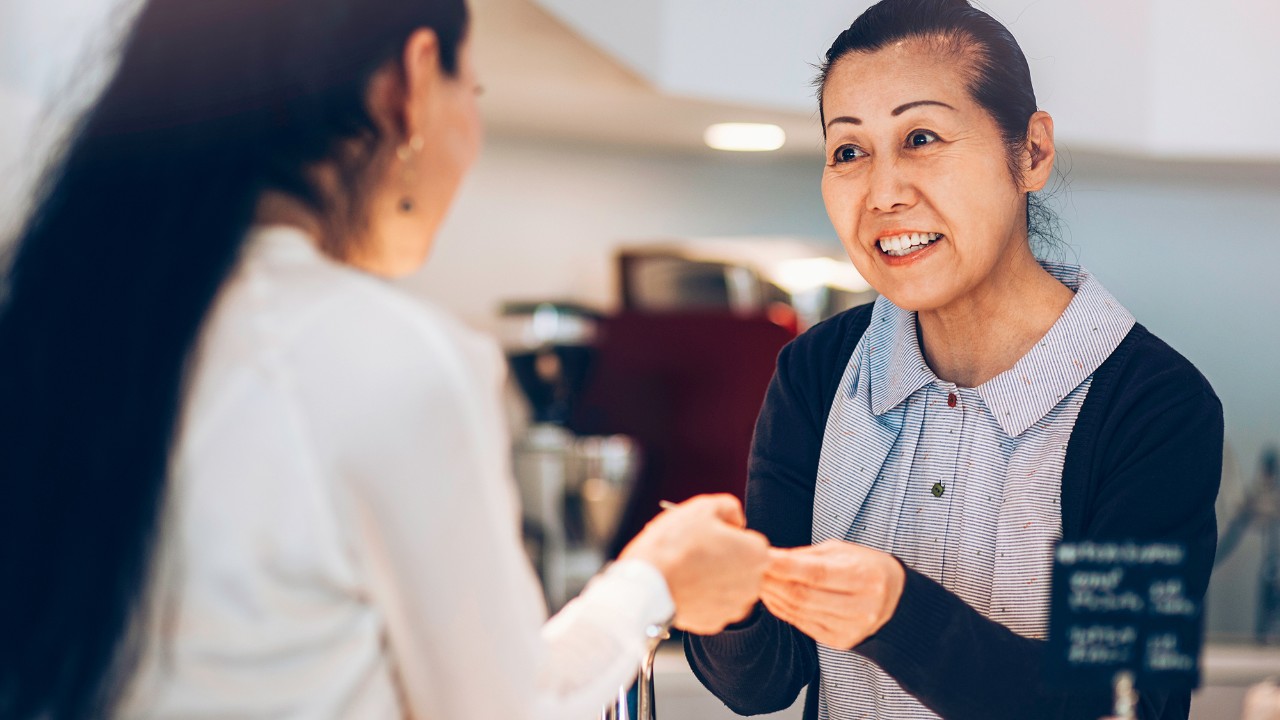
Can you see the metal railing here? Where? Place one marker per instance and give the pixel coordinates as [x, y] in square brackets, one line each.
[646, 707]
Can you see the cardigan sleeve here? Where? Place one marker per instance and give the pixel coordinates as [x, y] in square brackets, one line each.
[1147, 467]
[760, 664]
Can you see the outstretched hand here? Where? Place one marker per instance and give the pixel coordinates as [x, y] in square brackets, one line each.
[713, 566]
[837, 593]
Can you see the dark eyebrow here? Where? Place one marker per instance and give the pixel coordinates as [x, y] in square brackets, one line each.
[903, 108]
[844, 119]
[896, 112]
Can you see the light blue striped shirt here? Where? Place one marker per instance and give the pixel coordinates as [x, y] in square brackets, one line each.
[961, 484]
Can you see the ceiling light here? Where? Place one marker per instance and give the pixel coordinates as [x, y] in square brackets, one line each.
[744, 137]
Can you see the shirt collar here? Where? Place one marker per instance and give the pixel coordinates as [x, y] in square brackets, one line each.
[1091, 327]
[283, 241]
[897, 365]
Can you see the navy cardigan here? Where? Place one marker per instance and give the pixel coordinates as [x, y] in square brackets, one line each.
[1143, 462]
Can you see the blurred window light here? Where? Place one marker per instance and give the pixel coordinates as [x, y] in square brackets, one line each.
[744, 137]
[805, 274]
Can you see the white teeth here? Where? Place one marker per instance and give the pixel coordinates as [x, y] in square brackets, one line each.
[907, 243]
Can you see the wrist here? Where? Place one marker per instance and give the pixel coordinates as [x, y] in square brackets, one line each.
[646, 583]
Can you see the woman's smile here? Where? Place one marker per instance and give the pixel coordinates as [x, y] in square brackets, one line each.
[898, 248]
[898, 244]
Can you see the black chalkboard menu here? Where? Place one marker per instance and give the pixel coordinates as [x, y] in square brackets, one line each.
[1122, 607]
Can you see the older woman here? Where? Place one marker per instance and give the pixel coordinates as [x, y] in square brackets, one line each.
[923, 454]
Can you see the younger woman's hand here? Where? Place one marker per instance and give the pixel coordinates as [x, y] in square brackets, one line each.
[713, 566]
[837, 593]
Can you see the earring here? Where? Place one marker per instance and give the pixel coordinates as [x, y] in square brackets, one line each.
[405, 153]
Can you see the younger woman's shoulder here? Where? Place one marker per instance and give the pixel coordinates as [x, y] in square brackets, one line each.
[384, 328]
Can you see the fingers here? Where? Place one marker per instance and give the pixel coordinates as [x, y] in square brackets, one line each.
[761, 542]
[748, 552]
[711, 620]
[817, 626]
[724, 506]
[810, 599]
[843, 630]
[780, 605]
[729, 615]
[800, 565]
[837, 565]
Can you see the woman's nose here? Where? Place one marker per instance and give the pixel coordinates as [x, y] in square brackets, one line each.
[888, 189]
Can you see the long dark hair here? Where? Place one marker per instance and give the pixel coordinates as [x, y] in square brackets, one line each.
[998, 74]
[134, 229]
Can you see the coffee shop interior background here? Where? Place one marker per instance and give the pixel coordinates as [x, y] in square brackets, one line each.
[1168, 188]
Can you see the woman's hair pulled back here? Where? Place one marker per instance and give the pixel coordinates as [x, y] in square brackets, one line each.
[998, 75]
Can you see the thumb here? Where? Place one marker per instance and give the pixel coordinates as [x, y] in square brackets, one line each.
[726, 508]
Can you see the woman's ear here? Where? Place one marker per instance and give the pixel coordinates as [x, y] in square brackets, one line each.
[423, 74]
[398, 93]
[1040, 152]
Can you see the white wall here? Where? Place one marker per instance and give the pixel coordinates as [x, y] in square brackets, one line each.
[540, 220]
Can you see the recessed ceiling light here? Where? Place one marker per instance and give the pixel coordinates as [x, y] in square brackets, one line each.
[744, 137]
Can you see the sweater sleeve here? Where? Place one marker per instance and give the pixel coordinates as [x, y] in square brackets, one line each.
[761, 664]
[1153, 475]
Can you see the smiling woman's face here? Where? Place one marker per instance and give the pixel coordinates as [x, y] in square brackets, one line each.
[912, 160]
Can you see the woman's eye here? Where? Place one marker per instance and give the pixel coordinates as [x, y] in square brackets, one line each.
[920, 138]
[848, 153]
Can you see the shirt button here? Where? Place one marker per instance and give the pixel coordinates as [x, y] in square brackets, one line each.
[951, 399]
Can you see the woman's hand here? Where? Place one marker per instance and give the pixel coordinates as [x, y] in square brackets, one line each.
[712, 565]
[837, 593]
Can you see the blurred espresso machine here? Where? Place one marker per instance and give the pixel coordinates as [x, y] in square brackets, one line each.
[573, 488]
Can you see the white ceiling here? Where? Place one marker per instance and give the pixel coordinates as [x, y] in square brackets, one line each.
[1164, 80]
[1158, 79]
[543, 79]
